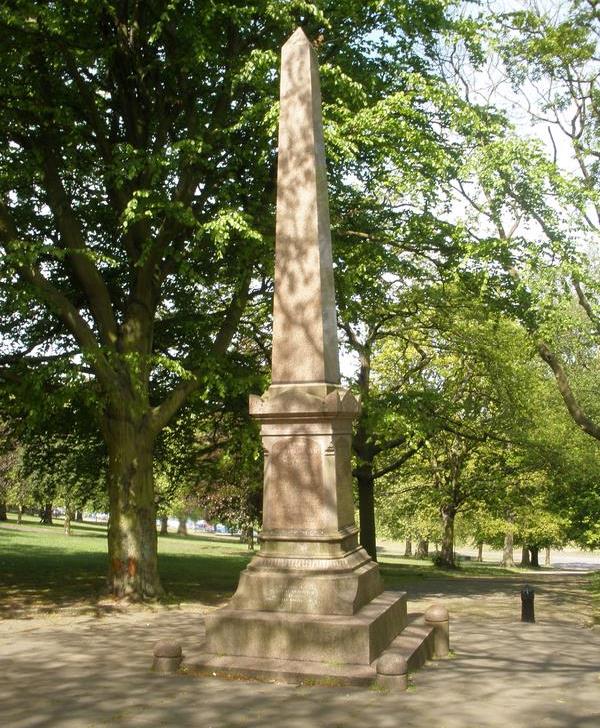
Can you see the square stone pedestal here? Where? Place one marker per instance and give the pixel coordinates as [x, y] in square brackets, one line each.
[334, 651]
[355, 639]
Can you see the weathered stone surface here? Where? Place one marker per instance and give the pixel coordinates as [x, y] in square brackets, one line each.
[167, 648]
[392, 671]
[392, 663]
[166, 665]
[305, 345]
[414, 646]
[167, 656]
[329, 587]
[437, 613]
[437, 616]
[310, 561]
[356, 639]
[288, 671]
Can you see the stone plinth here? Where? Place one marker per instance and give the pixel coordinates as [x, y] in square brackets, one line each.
[310, 561]
[357, 639]
[414, 645]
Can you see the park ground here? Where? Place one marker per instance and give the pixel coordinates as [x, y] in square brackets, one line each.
[71, 657]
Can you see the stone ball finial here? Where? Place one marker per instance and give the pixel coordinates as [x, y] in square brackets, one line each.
[437, 613]
[392, 663]
[438, 620]
[167, 656]
[167, 648]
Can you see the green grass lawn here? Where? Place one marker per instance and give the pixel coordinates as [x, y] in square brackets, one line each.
[42, 570]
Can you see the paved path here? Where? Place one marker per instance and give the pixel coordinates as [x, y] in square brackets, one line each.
[83, 672]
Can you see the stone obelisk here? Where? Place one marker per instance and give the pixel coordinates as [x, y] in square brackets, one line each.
[312, 593]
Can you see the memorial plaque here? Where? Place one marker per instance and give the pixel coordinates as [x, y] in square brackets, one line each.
[294, 485]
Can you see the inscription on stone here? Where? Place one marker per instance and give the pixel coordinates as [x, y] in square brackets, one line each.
[294, 495]
[293, 598]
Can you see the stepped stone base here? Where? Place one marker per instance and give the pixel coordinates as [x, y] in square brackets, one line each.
[415, 644]
[355, 639]
[328, 586]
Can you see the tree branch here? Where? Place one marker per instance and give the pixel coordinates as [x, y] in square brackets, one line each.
[585, 304]
[161, 414]
[71, 236]
[397, 463]
[56, 301]
[575, 410]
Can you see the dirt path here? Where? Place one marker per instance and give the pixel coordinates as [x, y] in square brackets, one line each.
[77, 672]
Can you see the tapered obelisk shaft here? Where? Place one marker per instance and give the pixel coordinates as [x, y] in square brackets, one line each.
[305, 348]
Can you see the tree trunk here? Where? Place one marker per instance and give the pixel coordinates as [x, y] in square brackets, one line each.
[182, 527]
[525, 561]
[132, 536]
[250, 538]
[67, 522]
[19, 514]
[480, 552]
[547, 561]
[422, 551]
[408, 547]
[366, 509]
[446, 557]
[508, 558]
[79, 516]
[3, 516]
[164, 526]
[535, 556]
[46, 514]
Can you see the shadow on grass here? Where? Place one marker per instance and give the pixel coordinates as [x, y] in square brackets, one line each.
[41, 578]
[55, 529]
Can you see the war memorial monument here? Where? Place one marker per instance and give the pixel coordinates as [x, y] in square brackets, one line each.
[310, 605]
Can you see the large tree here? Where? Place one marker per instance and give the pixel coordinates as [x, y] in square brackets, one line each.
[531, 181]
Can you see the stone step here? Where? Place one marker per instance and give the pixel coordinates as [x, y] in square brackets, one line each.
[415, 644]
[355, 639]
[273, 670]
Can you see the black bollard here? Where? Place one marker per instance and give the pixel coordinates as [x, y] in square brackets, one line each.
[527, 606]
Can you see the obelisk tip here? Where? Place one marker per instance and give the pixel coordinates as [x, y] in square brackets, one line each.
[298, 36]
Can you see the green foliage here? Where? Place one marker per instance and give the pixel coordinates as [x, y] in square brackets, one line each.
[498, 447]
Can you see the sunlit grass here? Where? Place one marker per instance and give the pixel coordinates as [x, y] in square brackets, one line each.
[42, 570]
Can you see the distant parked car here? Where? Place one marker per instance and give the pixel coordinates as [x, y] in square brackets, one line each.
[98, 517]
[220, 528]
